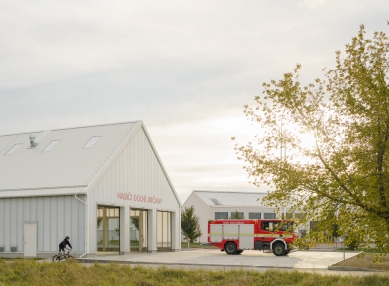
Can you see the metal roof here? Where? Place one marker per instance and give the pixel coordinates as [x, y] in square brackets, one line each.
[231, 199]
[42, 192]
[64, 168]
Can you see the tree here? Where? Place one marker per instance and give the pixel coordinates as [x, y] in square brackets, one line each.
[135, 222]
[343, 178]
[190, 224]
[237, 215]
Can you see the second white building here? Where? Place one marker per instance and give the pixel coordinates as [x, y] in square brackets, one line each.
[210, 205]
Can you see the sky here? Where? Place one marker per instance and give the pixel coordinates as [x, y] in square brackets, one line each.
[186, 68]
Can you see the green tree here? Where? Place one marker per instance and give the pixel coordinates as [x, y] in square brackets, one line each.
[190, 224]
[135, 222]
[346, 170]
[236, 215]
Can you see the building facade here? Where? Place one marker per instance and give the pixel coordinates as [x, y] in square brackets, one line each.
[104, 186]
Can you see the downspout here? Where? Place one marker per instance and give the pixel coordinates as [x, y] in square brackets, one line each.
[86, 225]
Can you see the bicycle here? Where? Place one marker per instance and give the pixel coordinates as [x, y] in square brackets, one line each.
[66, 256]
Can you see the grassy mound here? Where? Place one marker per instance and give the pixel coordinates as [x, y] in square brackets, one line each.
[367, 260]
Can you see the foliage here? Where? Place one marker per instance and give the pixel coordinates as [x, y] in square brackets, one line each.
[135, 222]
[99, 221]
[237, 215]
[190, 224]
[343, 177]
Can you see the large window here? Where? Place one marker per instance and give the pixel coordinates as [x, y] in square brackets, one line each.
[164, 230]
[237, 215]
[269, 215]
[254, 215]
[221, 215]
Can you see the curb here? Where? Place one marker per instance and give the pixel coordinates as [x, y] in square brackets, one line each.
[177, 264]
[346, 268]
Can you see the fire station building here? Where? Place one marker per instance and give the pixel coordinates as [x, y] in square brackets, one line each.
[103, 186]
[212, 205]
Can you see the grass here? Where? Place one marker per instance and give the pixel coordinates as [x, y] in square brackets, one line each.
[30, 272]
[196, 245]
[367, 260]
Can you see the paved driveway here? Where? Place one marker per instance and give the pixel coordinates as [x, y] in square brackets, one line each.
[249, 258]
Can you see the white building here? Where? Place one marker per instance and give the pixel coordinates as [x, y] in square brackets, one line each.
[100, 185]
[210, 205]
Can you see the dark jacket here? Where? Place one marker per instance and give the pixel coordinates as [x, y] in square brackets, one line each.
[64, 243]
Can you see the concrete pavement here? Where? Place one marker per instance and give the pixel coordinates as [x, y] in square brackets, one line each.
[319, 260]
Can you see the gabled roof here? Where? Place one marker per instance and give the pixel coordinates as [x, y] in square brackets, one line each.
[231, 199]
[67, 168]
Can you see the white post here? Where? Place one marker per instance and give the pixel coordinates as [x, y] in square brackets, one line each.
[152, 231]
[124, 227]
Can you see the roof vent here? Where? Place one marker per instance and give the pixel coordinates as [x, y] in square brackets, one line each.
[32, 141]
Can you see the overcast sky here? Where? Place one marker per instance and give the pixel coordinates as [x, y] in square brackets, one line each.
[186, 68]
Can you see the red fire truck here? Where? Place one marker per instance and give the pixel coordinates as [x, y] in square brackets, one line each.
[235, 235]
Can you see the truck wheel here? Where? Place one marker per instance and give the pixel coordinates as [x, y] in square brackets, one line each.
[230, 248]
[279, 249]
[239, 251]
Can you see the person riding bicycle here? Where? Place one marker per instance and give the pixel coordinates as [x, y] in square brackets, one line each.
[63, 244]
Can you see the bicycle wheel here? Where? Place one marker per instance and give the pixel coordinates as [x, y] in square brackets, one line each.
[56, 258]
[70, 257]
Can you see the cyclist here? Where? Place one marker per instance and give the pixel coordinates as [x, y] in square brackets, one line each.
[63, 244]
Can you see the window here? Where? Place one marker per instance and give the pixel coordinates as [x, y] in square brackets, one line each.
[269, 215]
[295, 216]
[313, 225]
[92, 142]
[268, 226]
[51, 146]
[13, 149]
[254, 215]
[221, 215]
[236, 215]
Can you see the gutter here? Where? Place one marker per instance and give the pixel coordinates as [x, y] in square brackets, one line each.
[86, 226]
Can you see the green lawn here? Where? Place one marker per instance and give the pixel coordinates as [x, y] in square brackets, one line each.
[30, 272]
[195, 245]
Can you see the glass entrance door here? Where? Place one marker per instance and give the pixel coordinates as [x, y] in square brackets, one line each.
[108, 229]
[138, 236]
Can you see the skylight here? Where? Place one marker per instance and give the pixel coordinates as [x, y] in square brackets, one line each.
[215, 201]
[92, 142]
[51, 146]
[13, 149]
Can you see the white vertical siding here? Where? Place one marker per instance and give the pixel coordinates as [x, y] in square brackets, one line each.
[19, 224]
[13, 222]
[135, 170]
[50, 213]
[2, 222]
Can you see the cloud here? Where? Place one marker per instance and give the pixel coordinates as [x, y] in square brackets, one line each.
[185, 68]
[314, 4]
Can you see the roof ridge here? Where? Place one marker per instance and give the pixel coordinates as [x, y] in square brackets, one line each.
[45, 188]
[68, 128]
[230, 192]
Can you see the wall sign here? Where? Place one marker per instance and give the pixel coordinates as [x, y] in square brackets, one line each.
[138, 198]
